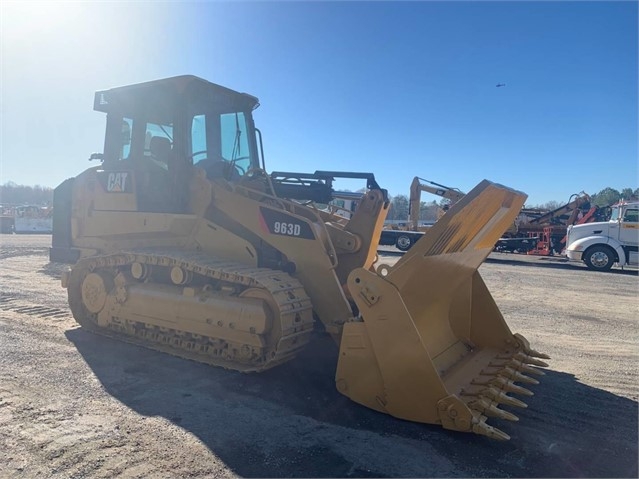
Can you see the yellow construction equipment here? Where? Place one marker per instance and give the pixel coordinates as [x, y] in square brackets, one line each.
[420, 184]
[183, 243]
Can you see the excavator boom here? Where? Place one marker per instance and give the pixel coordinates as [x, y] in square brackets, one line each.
[420, 184]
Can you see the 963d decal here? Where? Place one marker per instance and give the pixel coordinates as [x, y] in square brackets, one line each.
[279, 223]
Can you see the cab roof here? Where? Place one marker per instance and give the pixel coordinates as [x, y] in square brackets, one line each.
[170, 94]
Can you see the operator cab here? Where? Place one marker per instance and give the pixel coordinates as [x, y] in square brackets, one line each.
[158, 130]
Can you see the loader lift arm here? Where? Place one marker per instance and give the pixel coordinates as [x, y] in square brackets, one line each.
[317, 186]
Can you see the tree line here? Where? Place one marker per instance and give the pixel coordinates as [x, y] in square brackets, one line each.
[610, 196]
[428, 210]
[14, 194]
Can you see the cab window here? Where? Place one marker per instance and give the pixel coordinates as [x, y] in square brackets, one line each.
[220, 144]
[235, 145]
[125, 143]
[158, 143]
[631, 216]
[156, 129]
[198, 138]
[614, 215]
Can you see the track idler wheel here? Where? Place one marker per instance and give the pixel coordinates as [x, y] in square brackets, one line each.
[95, 289]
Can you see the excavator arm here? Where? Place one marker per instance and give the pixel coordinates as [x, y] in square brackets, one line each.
[417, 186]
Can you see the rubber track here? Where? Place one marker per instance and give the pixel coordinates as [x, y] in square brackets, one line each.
[287, 293]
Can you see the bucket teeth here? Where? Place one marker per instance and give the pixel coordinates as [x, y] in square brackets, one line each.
[504, 384]
[516, 365]
[524, 358]
[492, 432]
[502, 398]
[525, 345]
[537, 354]
[530, 370]
[509, 385]
[524, 368]
[489, 408]
[516, 376]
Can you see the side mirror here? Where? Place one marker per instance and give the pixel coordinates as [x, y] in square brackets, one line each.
[96, 156]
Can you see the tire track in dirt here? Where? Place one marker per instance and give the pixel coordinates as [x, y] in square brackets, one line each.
[12, 302]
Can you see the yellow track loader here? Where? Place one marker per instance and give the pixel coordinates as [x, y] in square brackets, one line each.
[182, 242]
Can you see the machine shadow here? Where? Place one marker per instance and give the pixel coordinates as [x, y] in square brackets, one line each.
[53, 270]
[280, 423]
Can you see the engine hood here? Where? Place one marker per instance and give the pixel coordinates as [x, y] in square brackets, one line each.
[589, 229]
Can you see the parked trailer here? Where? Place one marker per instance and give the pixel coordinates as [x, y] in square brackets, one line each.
[402, 240]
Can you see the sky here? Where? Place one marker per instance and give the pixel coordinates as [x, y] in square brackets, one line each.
[399, 89]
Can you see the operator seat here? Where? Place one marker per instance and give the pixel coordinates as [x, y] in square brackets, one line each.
[160, 148]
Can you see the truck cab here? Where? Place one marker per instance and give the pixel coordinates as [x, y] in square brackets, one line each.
[602, 244]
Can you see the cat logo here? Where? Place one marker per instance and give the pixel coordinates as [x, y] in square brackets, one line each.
[117, 182]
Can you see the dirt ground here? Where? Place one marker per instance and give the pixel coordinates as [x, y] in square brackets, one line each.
[77, 405]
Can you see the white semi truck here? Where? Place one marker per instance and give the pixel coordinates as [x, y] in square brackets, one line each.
[602, 244]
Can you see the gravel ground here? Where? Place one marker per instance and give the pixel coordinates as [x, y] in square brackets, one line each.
[77, 405]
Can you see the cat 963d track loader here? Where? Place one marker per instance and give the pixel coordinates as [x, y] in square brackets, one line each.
[180, 241]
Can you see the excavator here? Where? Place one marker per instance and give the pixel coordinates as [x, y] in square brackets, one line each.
[420, 184]
[180, 241]
[404, 237]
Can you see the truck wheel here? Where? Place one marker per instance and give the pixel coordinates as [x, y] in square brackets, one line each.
[599, 258]
[404, 242]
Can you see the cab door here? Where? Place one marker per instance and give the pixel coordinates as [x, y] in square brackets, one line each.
[629, 233]
[629, 227]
